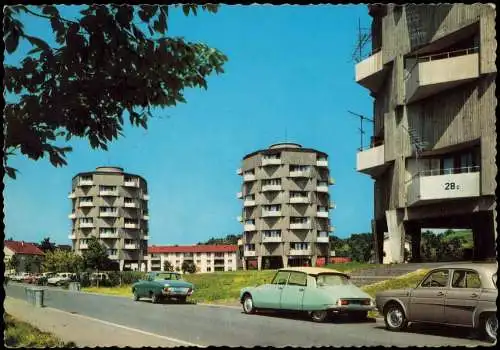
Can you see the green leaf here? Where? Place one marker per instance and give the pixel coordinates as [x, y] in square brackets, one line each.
[50, 10]
[38, 42]
[12, 41]
[35, 50]
[11, 172]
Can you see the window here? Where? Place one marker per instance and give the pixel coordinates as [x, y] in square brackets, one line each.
[299, 167]
[86, 199]
[107, 230]
[107, 188]
[86, 220]
[250, 197]
[86, 178]
[320, 208]
[298, 194]
[299, 220]
[272, 207]
[322, 183]
[107, 209]
[229, 261]
[129, 241]
[332, 280]
[465, 279]
[250, 222]
[297, 279]
[272, 233]
[112, 252]
[299, 246]
[130, 221]
[219, 255]
[271, 156]
[436, 279]
[250, 247]
[280, 277]
[271, 182]
[198, 261]
[177, 254]
[249, 172]
[209, 269]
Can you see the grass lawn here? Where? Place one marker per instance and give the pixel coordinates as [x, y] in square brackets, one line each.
[20, 334]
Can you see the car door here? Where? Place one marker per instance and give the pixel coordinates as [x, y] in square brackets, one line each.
[428, 299]
[463, 297]
[293, 292]
[269, 295]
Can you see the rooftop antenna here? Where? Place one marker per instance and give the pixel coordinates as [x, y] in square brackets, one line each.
[361, 131]
[417, 143]
[364, 37]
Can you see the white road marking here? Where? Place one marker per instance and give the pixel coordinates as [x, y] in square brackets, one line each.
[182, 342]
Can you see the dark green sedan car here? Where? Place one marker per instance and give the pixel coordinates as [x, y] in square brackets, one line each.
[162, 285]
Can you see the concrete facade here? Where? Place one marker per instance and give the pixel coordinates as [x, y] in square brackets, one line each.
[432, 76]
[113, 206]
[286, 202]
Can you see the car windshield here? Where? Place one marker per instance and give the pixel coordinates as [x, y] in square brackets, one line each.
[167, 276]
[332, 280]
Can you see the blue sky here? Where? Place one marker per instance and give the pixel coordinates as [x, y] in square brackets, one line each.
[288, 65]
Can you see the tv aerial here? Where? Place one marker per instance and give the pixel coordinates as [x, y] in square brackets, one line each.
[361, 130]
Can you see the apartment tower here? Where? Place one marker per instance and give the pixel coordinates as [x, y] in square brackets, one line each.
[113, 206]
[432, 75]
[285, 207]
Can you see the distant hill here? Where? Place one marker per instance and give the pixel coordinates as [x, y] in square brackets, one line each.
[229, 239]
[465, 236]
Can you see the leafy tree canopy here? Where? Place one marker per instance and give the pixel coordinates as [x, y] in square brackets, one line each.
[95, 256]
[228, 240]
[167, 266]
[110, 62]
[46, 245]
[62, 261]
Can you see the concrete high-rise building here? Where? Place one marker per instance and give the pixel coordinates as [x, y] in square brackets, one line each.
[432, 75]
[113, 206]
[286, 206]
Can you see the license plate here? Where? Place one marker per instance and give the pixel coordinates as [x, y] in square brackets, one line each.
[180, 290]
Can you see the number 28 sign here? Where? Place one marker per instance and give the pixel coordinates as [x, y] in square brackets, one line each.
[451, 186]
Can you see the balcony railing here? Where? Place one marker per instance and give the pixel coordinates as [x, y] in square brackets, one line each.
[300, 251]
[300, 225]
[303, 199]
[435, 73]
[113, 256]
[130, 246]
[271, 188]
[271, 161]
[267, 239]
[239, 195]
[85, 183]
[145, 216]
[268, 213]
[322, 214]
[131, 225]
[108, 235]
[371, 160]
[239, 171]
[72, 195]
[370, 72]
[322, 239]
[130, 205]
[146, 237]
[322, 188]
[249, 253]
[322, 163]
[145, 197]
[86, 204]
[131, 183]
[84, 246]
[249, 227]
[72, 216]
[239, 218]
[249, 177]
[112, 193]
[446, 184]
[300, 173]
[249, 202]
[86, 225]
[72, 236]
[109, 214]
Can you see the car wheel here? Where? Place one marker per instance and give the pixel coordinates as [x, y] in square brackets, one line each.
[394, 317]
[136, 296]
[358, 315]
[155, 298]
[490, 327]
[248, 307]
[319, 315]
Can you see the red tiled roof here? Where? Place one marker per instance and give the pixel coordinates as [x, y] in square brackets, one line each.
[192, 249]
[23, 248]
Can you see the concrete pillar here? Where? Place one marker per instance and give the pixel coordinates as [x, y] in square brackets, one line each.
[259, 263]
[378, 240]
[396, 239]
[313, 260]
[285, 261]
[244, 264]
[414, 232]
[483, 235]
[122, 263]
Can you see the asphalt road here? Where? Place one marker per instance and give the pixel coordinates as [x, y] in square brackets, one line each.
[218, 326]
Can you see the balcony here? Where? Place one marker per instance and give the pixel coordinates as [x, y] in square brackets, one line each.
[299, 252]
[322, 188]
[271, 213]
[145, 197]
[271, 239]
[322, 239]
[131, 183]
[239, 171]
[371, 161]
[332, 205]
[300, 226]
[436, 73]
[72, 236]
[249, 202]
[131, 225]
[249, 227]
[146, 237]
[304, 199]
[109, 214]
[249, 177]
[86, 204]
[145, 217]
[322, 163]
[331, 228]
[239, 218]
[72, 216]
[271, 161]
[86, 225]
[268, 188]
[239, 195]
[85, 183]
[322, 214]
[249, 253]
[370, 72]
[130, 246]
[72, 195]
[432, 186]
[84, 246]
[108, 193]
[300, 173]
[130, 205]
[108, 235]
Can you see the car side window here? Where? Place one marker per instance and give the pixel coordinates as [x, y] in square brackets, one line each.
[280, 278]
[465, 279]
[297, 279]
[437, 278]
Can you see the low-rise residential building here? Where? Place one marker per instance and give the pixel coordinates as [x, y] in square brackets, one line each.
[207, 258]
[25, 253]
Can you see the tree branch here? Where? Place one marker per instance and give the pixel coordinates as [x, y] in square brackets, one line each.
[47, 17]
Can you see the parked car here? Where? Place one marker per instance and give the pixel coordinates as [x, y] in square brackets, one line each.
[20, 277]
[44, 277]
[60, 279]
[456, 294]
[318, 291]
[162, 285]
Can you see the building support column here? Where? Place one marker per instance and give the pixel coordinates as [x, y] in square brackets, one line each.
[414, 232]
[244, 264]
[259, 263]
[122, 263]
[313, 260]
[396, 236]
[483, 235]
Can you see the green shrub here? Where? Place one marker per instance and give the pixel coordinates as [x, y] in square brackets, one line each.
[129, 277]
